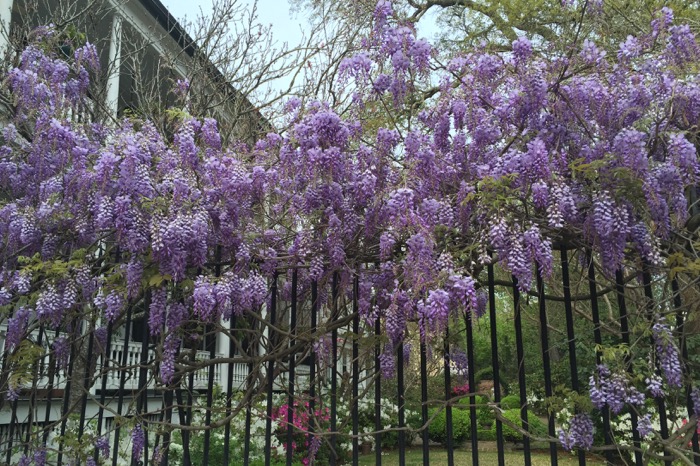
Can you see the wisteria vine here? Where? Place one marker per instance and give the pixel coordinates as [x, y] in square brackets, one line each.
[509, 154]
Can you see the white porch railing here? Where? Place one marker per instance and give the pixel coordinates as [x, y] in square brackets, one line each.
[130, 366]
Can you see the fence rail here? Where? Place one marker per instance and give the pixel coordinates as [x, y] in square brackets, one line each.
[311, 370]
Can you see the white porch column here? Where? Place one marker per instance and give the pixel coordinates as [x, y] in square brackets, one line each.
[5, 20]
[223, 345]
[265, 338]
[115, 61]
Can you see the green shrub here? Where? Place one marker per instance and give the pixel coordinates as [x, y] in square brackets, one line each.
[510, 402]
[461, 425]
[484, 413]
[486, 435]
[537, 427]
[484, 374]
[487, 374]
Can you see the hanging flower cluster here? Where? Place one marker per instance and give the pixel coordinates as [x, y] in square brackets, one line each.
[509, 153]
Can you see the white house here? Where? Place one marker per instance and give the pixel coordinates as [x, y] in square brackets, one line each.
[143, 51]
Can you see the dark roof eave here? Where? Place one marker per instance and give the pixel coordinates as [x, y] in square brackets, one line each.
[168, 22]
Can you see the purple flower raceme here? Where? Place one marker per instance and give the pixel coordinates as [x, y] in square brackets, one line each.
[12, 393]
[387, 362]
[655, 386]
[138, 442]
[112, 304]
[157, 455]
[314, 447]
[157, 311]
[667, 354]
[644, 426]
[182, 87]
[322, 349]
[613, 390]
[177, 315]
[204, 299]
[17, 328]
[61, 352]
[102, 445]
[695, 397]
[49, 306]
[5, 296]
[505, 158]
[40, 457]
[434, 312]
[167, 365]
[522, 48]
[579, 433]
[459, 362]
[464, 292]
[407, 354]
[134, 272]
[395, 323]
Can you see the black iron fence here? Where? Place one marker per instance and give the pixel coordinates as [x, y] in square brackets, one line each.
[303, 378]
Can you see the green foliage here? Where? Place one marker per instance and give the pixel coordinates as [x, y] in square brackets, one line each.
[487, 435]
[536, 427]
[461, 425]
[23, 362]
[484, 413]
[500, 22]
[510, 402]
[484, 374]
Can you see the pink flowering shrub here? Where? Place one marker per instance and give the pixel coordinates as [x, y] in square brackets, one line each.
[306, 447]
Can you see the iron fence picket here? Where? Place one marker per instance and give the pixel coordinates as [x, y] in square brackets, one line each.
[400, 396]
[229, 395]
[649, 307]
[598, 339]
[210, 345]
[690, 405]
[520, 354]
[250, 387]
[291, 374]
[624, 329]
[142, 403]
[448, 400]
[495, 365]
[122, 381]
[186, 433]
[334, 371]
[85, 387]
[312, 362]
[425, 437]
[32, 396]
[103, 386]
[546, 366]
[472, 388]
[300, 351]
[377, 392]
[66, 390]
[355, 371]
[270, 370]
[570, 336]
[168, 400]
[49, 395]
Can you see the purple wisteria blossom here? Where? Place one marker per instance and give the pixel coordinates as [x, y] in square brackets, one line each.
[579, 434]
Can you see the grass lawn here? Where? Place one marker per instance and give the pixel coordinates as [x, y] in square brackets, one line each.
[438, 456]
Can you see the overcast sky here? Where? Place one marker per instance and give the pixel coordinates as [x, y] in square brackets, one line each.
[286, 27]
